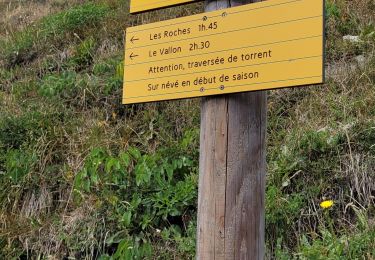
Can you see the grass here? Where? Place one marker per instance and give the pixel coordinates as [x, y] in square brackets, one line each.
[85, 177]
[25, 45]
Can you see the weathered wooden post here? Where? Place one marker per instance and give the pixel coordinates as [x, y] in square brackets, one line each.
[232, 171]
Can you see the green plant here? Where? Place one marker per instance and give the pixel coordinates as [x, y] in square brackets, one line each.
[185, 243]
[128, 250]
[357, 245]
[332, 10]
[145, 191]
[73, 20]
[368, 32]
[22, 129]
[280, 252]
[54, 85]
[18, 164]
[19, 49]
[364, 135]
[106, 67]
[24, 45]
[84, 53]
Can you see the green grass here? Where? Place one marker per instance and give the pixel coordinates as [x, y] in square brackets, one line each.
[25, 46]
[83, 176]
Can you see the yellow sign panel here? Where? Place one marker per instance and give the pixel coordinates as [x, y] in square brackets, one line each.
[144, 5]
[266, 45]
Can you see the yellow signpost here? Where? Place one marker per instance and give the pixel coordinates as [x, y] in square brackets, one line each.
[144, 5]
[220, 52]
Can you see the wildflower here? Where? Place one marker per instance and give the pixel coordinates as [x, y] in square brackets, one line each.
[326, 204]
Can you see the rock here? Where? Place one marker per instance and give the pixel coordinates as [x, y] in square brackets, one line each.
[351, 38]
[361, 60]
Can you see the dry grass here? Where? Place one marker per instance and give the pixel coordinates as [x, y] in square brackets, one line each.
[360, 169]
[17, 15]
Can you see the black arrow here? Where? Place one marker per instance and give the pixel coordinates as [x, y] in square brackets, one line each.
[133, 39]
[133, 56]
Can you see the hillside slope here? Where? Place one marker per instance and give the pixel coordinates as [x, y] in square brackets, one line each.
[84, 177]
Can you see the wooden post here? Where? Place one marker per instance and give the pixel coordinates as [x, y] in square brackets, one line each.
[232, 172]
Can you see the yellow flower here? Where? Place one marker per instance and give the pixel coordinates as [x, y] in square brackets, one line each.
[326, 204]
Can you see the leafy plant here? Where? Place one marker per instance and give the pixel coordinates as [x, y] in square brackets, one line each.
[58, 84]
[329, 246]
[145, 191]
[332, 10]
[18, 164]
[84, 53]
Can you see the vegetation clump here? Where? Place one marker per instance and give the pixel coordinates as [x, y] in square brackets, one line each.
[84, 177]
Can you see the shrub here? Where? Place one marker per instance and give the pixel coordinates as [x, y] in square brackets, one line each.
[144, 191]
